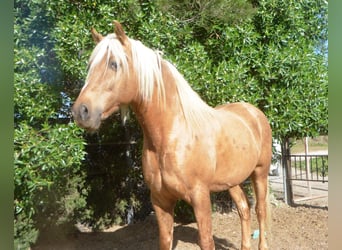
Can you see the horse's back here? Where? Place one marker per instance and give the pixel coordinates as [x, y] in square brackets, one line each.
[250, 114]
[255, 121]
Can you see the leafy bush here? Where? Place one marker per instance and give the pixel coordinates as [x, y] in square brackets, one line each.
[48, 180]
[49, 184]
[113, 167]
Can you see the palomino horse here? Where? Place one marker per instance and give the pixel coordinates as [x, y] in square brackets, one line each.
[190, 149]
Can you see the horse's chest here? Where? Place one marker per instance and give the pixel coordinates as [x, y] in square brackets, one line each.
[163, 173]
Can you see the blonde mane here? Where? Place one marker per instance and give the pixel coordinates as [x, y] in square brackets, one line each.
[148, 66]
[196, 112]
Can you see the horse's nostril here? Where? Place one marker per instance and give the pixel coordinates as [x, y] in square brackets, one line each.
[84, 112]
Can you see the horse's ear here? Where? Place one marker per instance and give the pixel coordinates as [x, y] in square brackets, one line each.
[97, 37]
[120, 33]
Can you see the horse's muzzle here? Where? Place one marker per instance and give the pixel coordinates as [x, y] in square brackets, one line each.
[85, 117]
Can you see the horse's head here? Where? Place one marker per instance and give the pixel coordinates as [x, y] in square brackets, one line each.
[110, 82]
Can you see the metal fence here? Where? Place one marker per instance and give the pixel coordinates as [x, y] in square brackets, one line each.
[308, 167]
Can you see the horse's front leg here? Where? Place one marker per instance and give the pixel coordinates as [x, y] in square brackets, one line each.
[164, 210]
[201, 204]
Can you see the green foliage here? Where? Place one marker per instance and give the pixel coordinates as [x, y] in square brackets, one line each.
[276, 61]
[72, 32]
[114, 176]
[47, 160]
[204, 13]
[47, 176]
[34, 101]
[184, 212]
[48, 181]
[293, 72]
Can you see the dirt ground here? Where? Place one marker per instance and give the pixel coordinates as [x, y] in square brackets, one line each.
[304, 226]
[300, 227]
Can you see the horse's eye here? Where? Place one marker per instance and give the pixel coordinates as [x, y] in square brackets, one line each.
[113, 65]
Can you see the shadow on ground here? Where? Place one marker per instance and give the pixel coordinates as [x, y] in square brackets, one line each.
[142, 235]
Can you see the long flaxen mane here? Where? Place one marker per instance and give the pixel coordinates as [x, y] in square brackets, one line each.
[147, 64]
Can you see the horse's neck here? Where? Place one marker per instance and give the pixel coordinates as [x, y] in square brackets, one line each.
[157, 118]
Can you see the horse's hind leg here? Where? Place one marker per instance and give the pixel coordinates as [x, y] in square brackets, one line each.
[260, 183]
[240, 199]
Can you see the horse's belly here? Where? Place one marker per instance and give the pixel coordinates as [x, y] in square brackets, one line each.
[225, 179]
[234, 163]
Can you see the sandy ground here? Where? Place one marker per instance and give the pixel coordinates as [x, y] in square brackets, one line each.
[292, 228]
[303, 226]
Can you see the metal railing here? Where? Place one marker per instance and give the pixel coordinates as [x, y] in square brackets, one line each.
[308, 167]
